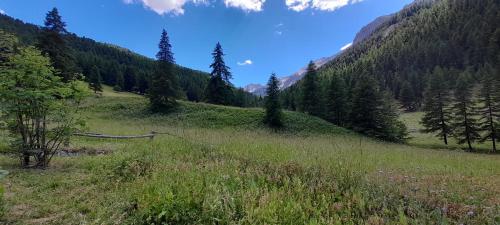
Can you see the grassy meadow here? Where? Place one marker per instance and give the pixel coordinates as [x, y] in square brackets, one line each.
[220, 165]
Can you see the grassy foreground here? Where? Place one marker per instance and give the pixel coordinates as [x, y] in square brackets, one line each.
[220, 165]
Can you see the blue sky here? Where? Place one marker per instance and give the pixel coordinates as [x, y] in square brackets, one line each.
[258, 36]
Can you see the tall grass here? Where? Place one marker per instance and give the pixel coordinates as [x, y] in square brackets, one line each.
[221, 166]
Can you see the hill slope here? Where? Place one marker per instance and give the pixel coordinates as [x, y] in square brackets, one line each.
[112, 61]
[406, 47]
[201, 115]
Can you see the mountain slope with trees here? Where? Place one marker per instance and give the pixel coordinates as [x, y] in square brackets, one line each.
[119, 67]
[404, 50]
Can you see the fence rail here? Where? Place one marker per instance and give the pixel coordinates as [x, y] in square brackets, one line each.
[104, 136]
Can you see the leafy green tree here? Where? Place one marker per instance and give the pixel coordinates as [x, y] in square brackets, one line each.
[337, 102]
[490, 105]
[310, 91]
[407, 97]
[274, 115]
[52, 42]
[465, 124]
[37, 106]
[95, 80]
[218, 90]
[374, 114]
[164, 84]
[437, 115]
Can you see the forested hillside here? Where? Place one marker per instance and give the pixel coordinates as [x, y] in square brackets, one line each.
[119, 67]
[455, 35]
[405, 50]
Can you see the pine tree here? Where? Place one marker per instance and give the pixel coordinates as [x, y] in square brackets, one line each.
[464, 125]
[164, 84]
[374, 114]
[52, 42]
[218, 90]
[337, 103]
[407, 97]
[219, 67]
[310, 92]
[165, 54]
[490, 106]
[273, 116]
[437, 115]
[95, 80]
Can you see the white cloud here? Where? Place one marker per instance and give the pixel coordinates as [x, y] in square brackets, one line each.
[166, 6]
[246, 5]
[325, 5]
[297, 5]
[278, 32]
[245, 63]
[2, 12]
[346, 46]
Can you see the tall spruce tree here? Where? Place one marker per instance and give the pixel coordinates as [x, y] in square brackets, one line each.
[165, 53]
[489, 108]
[437, 115]
[218, 90]
[465, 124]
[164, 83]
[52, 42]
[374, 114]
[337, 102]
[407, 97]
[219, 67]
[273, 116]
[310, 92]
[95, 80]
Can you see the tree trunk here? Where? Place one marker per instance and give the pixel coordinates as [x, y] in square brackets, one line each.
[492, 127]
[26, 160]
[467, 131]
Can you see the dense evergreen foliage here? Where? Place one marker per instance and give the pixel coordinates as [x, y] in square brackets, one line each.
[452, 34]
[437, 115]
[310, 92]
[95, 80]
[52, 43]
[374, 114]
[219, 67]
[219, 90]
[489, 107]
[164, 84]
[119, 67]
[274, 115]
[338, 106]
[407, 97]
[401, 56]
[464, 124]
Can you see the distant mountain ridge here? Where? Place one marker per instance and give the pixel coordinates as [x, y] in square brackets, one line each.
[364, 34]
[288, 81]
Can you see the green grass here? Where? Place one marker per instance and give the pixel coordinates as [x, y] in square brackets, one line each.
[222, 166]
